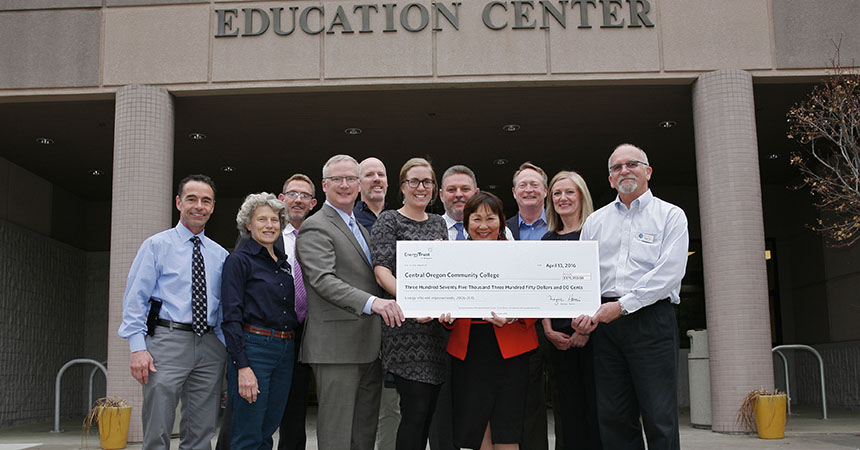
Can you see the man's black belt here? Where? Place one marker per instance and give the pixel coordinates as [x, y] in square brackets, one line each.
[614, 299]
[178, 325]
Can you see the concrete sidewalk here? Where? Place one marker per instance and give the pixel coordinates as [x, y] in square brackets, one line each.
[804, 431]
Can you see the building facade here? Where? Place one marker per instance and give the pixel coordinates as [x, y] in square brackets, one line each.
[105, 104]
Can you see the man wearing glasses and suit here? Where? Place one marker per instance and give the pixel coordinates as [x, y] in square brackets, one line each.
[342, 335]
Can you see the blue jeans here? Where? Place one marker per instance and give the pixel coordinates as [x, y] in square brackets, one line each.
[272, 361]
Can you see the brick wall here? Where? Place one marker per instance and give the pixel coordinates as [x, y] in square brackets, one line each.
[841, 366]
[44, 287]
[96, 320]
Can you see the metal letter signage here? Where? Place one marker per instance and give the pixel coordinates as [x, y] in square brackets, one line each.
[416, 17]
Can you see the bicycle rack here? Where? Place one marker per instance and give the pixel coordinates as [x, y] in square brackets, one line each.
[57, 386]
[778, 350]
[92, 375]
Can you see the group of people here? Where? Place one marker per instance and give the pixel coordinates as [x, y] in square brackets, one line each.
[316, 296]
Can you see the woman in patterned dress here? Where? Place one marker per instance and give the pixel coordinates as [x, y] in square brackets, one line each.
[415, 352]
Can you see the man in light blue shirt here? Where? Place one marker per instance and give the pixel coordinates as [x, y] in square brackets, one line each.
[530, 186]
[643, 245]
[172, 320]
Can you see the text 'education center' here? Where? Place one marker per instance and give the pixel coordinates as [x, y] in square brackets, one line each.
[106, 104]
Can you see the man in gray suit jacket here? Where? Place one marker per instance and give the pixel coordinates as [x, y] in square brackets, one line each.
[342, 330]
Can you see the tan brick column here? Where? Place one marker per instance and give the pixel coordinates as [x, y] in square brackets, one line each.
[732, 241]
[141, 205]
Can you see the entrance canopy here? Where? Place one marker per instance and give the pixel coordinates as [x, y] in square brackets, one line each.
[265, 137]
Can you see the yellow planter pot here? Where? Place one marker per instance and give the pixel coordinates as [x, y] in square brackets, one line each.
[113, 426]
[770, 416]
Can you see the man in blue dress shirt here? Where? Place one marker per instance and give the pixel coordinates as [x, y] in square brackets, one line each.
[530, 193]
[643, 245]
[529, 224]
[172, 320]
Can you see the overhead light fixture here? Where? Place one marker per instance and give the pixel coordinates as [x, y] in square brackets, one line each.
[96, 172]
[197, 136]
[352, 131]
[228, 169]
[500, 161]
[773, 156]
[511, 127]
[491, 186]
[44, 141]
[667, 124]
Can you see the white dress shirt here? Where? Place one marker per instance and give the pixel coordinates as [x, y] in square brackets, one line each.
[452, 230]
[643, 250]
[290, 244]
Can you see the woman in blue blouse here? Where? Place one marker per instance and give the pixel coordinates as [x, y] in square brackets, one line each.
[257, 299]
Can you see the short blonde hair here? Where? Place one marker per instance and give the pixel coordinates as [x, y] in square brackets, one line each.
[586, 206]
[254, 201]
[526, 166]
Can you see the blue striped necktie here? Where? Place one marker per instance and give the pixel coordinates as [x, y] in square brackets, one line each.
[359, 237]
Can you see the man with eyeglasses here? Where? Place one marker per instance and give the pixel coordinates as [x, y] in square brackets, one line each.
[298, 195]
[643, 245]
[343, 333]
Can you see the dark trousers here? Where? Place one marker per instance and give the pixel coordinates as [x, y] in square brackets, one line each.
[534, 424]
[417, 403]
[292, 435]
[223, 442]
[442, 425]
[636, 369]
[576, 406]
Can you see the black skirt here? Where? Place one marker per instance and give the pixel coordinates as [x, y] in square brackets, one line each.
[488, 389]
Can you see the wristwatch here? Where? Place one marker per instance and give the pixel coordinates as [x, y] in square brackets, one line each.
[624, 311]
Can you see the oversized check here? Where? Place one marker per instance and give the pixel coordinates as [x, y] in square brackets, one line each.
[512, 278]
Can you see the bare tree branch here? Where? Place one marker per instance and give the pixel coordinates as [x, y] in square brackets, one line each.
[827, 125]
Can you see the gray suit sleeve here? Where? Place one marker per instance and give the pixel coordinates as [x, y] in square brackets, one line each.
[318, 255]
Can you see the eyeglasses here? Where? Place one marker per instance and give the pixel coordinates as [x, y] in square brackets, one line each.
[630, 165]
[338, 180]
[414, 182]
[294, 195]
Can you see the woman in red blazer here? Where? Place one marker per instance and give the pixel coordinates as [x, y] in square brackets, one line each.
[489, 370]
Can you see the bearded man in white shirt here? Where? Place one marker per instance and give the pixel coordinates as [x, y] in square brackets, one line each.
[643, 245]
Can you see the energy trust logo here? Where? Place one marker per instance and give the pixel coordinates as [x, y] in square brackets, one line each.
[419, 254]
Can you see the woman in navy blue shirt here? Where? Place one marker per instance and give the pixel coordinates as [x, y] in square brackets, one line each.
[258, 305]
